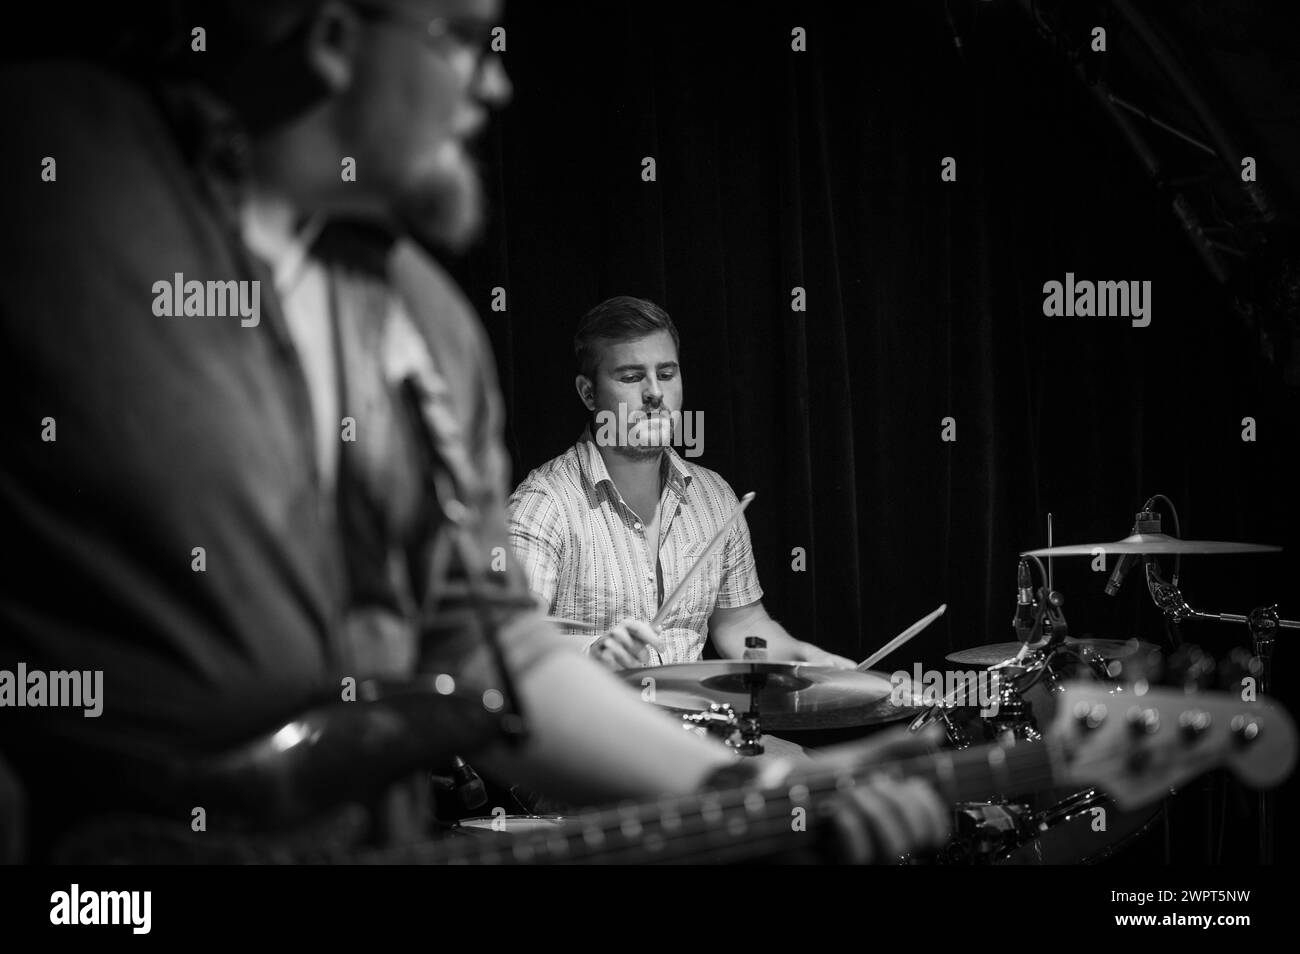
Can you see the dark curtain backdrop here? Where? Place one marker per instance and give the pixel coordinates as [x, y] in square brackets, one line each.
[924, 300]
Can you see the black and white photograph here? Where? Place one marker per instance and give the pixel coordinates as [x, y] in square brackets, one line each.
[508, 433]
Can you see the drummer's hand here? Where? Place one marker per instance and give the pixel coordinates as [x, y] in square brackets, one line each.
[626, 645]
[814, 656]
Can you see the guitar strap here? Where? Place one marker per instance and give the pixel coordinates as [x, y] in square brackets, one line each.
[448, 475]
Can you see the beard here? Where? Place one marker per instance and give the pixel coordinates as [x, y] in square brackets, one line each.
[445, 207]
[651, 448]
[629, 452]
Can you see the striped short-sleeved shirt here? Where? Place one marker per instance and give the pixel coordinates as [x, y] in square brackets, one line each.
[585, 553]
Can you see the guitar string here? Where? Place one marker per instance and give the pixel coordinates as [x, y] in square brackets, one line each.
[688, 808]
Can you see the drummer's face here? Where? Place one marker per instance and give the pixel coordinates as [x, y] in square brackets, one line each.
[640, 382]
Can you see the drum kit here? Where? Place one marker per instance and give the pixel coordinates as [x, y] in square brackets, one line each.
[737, 701]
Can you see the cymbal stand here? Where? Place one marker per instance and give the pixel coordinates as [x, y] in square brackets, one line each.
[1263, 623]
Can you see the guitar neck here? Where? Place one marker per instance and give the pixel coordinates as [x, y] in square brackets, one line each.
[738, 824]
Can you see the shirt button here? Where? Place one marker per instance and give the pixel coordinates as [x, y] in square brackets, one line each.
[637, 526]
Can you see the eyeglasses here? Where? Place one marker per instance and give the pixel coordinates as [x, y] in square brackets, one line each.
[470, 36]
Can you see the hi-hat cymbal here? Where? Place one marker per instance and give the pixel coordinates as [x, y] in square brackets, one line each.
[995, 653]
[1153, 544]
[794, 695]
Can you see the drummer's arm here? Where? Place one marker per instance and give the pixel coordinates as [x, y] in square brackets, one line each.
[592, 739]
[730, 626]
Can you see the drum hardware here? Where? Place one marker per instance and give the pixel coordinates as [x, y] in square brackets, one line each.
[1262, 624]
[983, 832]
[751, 731]
[719, 721]
[1014, 719]
[1149, 541]
[1263, 621]
[1080, 801]
[986, 832]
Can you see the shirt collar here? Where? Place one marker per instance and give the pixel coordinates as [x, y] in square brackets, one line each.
[595, 472]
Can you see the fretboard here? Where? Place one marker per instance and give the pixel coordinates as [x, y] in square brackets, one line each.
[738, 824]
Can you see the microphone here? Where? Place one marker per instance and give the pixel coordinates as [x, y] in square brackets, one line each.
[1117, 575]
[1145, 521]
[1023, 620]
[467, 784]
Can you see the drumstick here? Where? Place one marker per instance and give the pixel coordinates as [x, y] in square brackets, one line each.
[716, 542]
[571, 623]
[901, 638]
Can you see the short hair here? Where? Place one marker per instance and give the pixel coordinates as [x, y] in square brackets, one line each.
[622, 318]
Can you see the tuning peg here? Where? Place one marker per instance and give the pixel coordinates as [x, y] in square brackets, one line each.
[1193, 723]
[1089, 715]
[1190, 667]
[1142, 721]
[1245, 729]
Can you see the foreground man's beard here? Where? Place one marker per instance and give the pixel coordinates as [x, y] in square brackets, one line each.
[446, 209]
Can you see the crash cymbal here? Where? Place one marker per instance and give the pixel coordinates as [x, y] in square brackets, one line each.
[795, 695]
[1153, 544]
[995, 653]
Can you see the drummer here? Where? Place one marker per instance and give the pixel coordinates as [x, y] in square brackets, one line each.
[608, 529]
